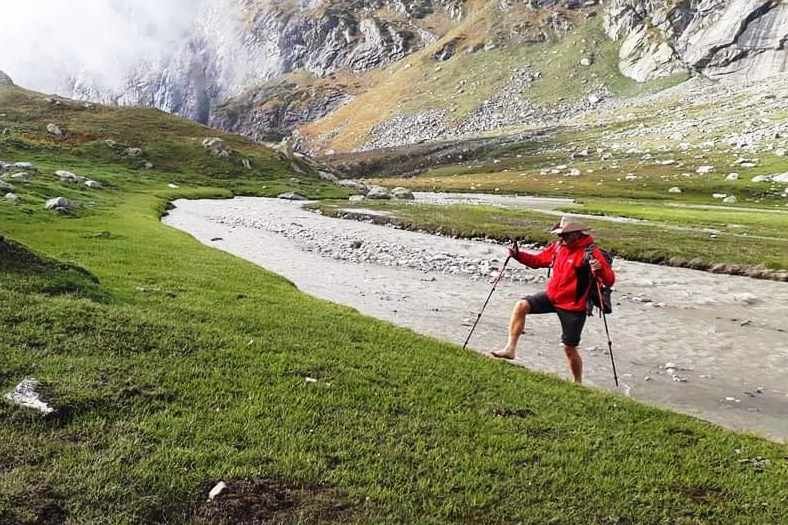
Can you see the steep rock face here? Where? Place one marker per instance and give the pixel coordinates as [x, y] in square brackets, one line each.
[742, 38]
[5, 80]
[239, 44]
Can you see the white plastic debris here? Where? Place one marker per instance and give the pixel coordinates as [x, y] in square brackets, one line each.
[216, 490]
[25, 395]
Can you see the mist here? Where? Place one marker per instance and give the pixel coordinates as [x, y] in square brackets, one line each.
[44, 42]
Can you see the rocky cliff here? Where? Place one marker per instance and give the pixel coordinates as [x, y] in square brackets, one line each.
[264, 67]
[738, 38]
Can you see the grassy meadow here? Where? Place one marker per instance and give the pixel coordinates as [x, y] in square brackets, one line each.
[172, 366]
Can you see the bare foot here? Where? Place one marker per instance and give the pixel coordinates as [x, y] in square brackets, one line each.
[503, 354]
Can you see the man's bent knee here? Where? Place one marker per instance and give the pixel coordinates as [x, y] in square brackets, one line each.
[571, 350]
[522, 307]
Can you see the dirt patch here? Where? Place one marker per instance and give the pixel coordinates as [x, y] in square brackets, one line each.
[513, 412]
[266, 501]
[40, 506]
[704, 495]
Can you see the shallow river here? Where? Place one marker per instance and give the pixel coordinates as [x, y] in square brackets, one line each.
[723, 336]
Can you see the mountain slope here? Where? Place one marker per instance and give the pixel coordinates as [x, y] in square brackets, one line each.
[265, 68]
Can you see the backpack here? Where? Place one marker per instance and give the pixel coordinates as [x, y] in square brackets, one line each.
[606, 305]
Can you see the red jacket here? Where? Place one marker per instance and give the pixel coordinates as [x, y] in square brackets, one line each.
[570, 281]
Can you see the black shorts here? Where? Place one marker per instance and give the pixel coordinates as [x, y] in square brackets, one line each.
[571, 322]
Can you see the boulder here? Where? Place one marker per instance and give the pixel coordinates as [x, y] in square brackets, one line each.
[59, 204]
[133, 152]
[354, 185]
[53, 129]
[21, 177]
[67, 176]
[782, 178]
[94, 185]
[378, 193]
[762, 178]
[674, 189]
[216, 147]
[27, 166]
[330, 177]
[292, 196]
[403, 194]
[732, 177]
[730, 200]
[11, 197]
[4, 186]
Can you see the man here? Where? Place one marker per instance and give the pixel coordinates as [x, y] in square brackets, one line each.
[576, 262]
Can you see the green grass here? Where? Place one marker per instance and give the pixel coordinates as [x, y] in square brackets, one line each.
[673, 236]
[174, 365]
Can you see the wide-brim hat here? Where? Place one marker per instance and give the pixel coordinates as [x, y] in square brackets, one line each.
[569, 225]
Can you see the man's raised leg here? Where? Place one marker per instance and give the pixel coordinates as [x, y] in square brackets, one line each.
[516, 327]
[575, 363]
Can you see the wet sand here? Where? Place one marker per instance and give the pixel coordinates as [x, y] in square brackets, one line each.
[724, 335]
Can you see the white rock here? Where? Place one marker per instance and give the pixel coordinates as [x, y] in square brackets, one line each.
[25, 395]
[59, 204]
[21, 177]
[780, 152]
[133, 152]
[732, 176]
[53, 129]
[705, 169]
[292, 196]
[354, 185]
[585, 61]
[402, 194]
[67, 176]
[674, 189]
[217, 490]
[730, 200]
[11, 197]
[574, 172]
[719, 195]
[172, 186]
[92, 184]
[379, 193]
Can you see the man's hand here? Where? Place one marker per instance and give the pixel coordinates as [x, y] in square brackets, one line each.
[514, 249]
[594, 264]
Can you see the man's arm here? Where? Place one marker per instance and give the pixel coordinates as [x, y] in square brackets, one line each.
[540, 259]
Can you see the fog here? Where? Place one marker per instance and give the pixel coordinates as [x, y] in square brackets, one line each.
[43, 42]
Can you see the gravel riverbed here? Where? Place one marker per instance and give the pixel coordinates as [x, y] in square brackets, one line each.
[709, 345]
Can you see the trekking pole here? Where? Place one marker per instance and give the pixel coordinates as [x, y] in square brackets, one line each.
[495, 284]
[607, 331]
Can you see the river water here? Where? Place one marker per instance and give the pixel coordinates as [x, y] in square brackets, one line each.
[708, 345]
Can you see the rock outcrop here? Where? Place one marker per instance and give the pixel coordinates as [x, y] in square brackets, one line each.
[5, 80]
[741, 38]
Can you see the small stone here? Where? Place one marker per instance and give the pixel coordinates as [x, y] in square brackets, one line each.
[25, 395]
[402, 194]
[67, 176]
[674, 189]
[11, 197]
[291, 196]
[133, 152]
[730, 200]
[217, 490]
[732, 176]
[172, 186]
[94, 185]
[310, 380]
[585, 61]
[705, 169]
[148, 165]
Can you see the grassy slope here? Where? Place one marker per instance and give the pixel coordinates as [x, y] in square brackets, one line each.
[186, 365]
